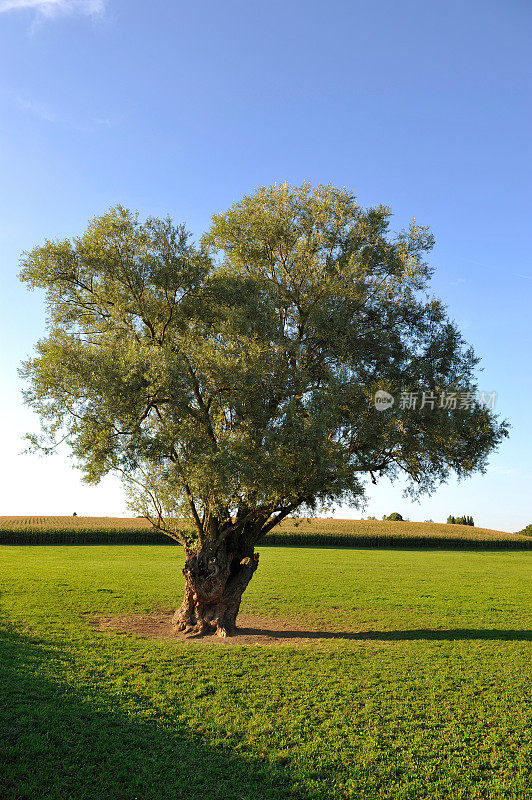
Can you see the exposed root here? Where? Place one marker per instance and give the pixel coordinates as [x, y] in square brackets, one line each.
[203, 628]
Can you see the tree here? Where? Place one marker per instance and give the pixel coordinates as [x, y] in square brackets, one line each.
[231, 383]
[395, 517]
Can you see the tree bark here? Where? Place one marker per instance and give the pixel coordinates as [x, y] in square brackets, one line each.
[214, 585]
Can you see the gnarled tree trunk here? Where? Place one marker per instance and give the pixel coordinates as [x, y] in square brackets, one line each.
[215, 583]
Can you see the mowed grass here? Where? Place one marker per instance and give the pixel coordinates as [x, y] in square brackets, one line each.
[424, 694]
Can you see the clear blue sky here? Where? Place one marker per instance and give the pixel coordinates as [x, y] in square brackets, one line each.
[180, 108]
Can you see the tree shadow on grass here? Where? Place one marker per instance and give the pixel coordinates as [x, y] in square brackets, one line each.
[436, 634]
[263, 630]
[56, 744]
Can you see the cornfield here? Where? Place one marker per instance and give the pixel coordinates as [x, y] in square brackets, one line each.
[295, 532]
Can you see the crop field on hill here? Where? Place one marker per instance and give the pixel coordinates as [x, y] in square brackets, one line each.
[417, 687]
[321, 532]
[399, 530]
[71, 523]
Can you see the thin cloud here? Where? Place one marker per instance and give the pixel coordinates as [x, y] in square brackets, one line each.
[527, 277]
[53, 8]
[83, 124]
[40, 110]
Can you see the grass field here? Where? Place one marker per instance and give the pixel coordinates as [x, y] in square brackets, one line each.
[424, 694]
[340, 532]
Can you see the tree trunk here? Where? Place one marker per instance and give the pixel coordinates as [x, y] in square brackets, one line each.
[214, 587]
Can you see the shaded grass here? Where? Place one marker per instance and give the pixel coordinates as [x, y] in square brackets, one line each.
[428, 695]
[66, 740]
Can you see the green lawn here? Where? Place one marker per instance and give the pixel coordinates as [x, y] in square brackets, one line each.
[430, 699]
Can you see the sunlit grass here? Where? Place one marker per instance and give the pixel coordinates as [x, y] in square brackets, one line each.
[430, 700]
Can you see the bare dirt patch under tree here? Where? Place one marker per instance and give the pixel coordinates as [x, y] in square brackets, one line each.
[253, 629]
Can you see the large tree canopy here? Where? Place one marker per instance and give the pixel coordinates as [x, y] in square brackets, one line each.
[232, 383]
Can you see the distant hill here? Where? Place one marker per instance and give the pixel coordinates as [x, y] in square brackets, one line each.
[399, 529]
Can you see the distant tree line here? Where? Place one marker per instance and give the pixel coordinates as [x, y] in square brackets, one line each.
[460, 520]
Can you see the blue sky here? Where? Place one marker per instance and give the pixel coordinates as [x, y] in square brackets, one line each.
[180, 108]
